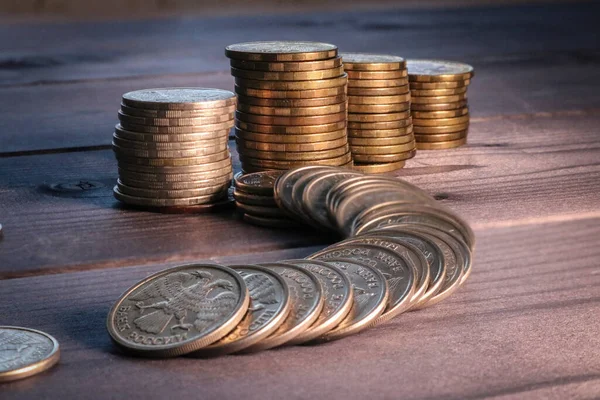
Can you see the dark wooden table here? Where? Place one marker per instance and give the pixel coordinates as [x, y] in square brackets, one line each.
[527, 323]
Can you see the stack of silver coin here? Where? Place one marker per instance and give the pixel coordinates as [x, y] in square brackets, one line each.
[171, 147]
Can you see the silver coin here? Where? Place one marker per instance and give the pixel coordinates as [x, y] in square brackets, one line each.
[285, 183]
[437, 67]
[179, 98]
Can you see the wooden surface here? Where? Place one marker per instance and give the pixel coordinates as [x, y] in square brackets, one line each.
[525, 325]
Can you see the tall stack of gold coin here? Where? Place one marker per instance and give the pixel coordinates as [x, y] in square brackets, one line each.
[291, 105]
[439, 107]
[171, 147]
[379, 125]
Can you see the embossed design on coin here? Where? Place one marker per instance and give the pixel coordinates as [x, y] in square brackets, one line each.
[179, 98]
[281, 51]
[438, 67]
[179, 310]
[25, 352]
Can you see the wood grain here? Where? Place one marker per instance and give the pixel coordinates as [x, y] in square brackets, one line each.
[522, 327]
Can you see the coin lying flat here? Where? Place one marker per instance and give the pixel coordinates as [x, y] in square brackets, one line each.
[288, 75]
[379, 168]
[438, 99]
[307, 301]
[440, 129]
[396, 74]
[261, 211]
[292, 156]
[380, 129]
[152, 145]
[383, 158]
[177, 130]
[292, 147]
[179, 98]
[389, 149]
[287, 164]
[290, 94]
[378, 108]
[25, 352]
[281, 51]
[306, 138]
[441, 145]
[379, 91]
[291, 130]
[178, 310]
[225, 178]
[376, 83]
[439, 85]
[402, 98]
[440, 114]
[293, 85]
[437, 71]
[260, 183]
[372, 62]
[377, 118]
[293, 111]
[337, 294]
[291, 103]
[441, 121]
[289, 66]
[437, 92]
[168, 202]
[269, 306]
[170, 137]
[383, 141]
[254, 199]
[441, 137]
[439, 106]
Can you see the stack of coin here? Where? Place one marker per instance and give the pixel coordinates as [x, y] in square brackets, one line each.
[291, 105]
[171, 147]
[253, 195]
[380, 129]
[439, 103]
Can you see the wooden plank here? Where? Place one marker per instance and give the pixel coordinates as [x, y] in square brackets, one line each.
[507, 173]
[523, 327]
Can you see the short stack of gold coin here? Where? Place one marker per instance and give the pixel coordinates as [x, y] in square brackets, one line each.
[291, 105]
[379, 124]
[171, 147]
[440, 111]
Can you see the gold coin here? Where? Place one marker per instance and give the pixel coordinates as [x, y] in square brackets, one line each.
[170, 138]
[438, 107]
[189, 179]
[438, 99]
[254, 199]
[441, 137]
[179, 99]
[382, 117]
[437, 92]
[281, 51]
[293, 85]
[291, 121]
[277, 164]
[364, 75]
[440, 129]
[174, 186]
[208, 112]
[441, 121]
[380, 141]
[292, 147]
[441, 145]
[379, 99]
[292, 156]
[379, 168]
[172, 162]
[173, 194]
[382, 91]
[291, 129]
[157, 202]
[401, 126]
[372, 62]
[377, 108]
[440, 114]
[288, 76]
[259, 183]
[177, 129]
[224, 162]
[288, 103]
[129, 119]
[293, 111]
[261, 211]
[439, 85]
[290, 94]
[269, 222]
[26, 352]
[153, 153]
[383, 150]
[438, 71]
[377, 83]
[150, 145]
[287, 66]
[382, 158]
[291, 139]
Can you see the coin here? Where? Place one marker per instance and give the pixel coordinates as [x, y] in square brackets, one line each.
[438, 71]
[173, 154]
[281, 51]
[179, 99]
[293, 156]
[383, 141]
[173, 162]
[376, 150]
[287, 164]
[254, 199]
[293, 85]
[398, 274]
[291, 103]
[150, 145]
[178, 310]
[284, 185]
[420, 130]
[376, 83]
[437, 92]
[287, 66]
[440, 114]
[293, 111]
[441, 121]
[379, 99]
[307, 300]
[260, 183]
[261, 211]
[441, 145]
[383, 158]
[377, 108]
[216, 187]
[338, 298]
[150, 113]
[307, 138]
[168, 202]
[291, 130]
[379, 91]
[223, 163]
[131, 120]
[372, 62]
[282, 223]
[177, 130]
[379, 168]
[438, 99]
[396, 115]
[439, 85]
[182, 185]
[441, 137]
[380, 129]
[222, 204]
[269, 307]
[291, 147]
[364, 75]
[438, 106]
[291, 94]
[170, 138]
[25, 352]
[288, 75]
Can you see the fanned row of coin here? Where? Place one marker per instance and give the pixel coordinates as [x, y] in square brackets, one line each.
[291, 105]
[172, 147]
[380, 128]
[405, 252]
[440, 111]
